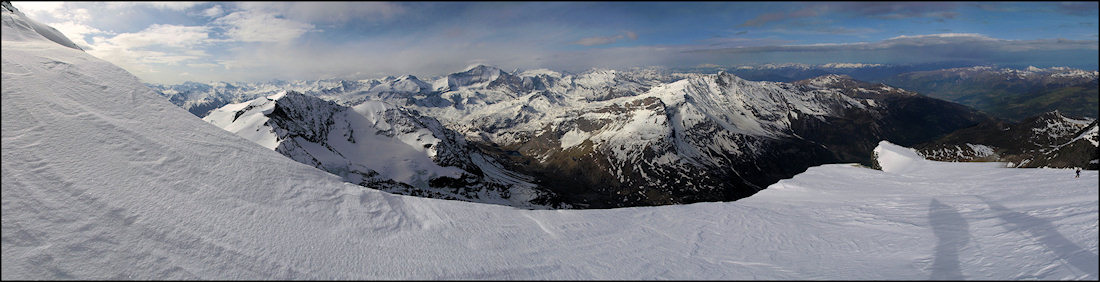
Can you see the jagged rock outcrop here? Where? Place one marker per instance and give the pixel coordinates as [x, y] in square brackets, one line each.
[376, 145]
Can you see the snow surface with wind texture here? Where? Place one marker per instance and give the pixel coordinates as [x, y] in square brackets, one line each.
[103, 179]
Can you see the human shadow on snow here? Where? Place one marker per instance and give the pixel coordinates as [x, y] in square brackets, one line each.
[1044, 232]
[952, 233]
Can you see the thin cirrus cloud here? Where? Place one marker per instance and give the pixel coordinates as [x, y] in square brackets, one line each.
[173, 36]
[779, 16]
[169, 5]
[604, 40]
[947, 47]
[945, 43]
[1079, 8]
[313, 11]
[880, 10]
[899, 10]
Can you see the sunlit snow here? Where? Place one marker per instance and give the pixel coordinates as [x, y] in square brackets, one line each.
[104, 179]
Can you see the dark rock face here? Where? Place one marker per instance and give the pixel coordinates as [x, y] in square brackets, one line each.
[297, 115]
[902, 117]
[594, 176]
[307, 129]
[1046, 140]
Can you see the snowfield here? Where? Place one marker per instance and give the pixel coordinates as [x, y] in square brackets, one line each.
[104, 179]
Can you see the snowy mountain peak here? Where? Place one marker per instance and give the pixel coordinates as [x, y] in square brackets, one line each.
[1059, 117]
[855, 88]
[726, 78]
[374, 144]
[282, 94]
[1054, 126]
[540, 72]
[478, 76]
[828, 80]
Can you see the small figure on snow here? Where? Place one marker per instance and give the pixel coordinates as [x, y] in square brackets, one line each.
[1078, 173]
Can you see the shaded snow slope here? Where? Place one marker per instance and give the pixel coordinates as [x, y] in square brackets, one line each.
[103, 179]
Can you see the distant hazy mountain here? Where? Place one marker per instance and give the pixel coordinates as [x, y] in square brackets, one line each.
[794, 72]
[1011, 94]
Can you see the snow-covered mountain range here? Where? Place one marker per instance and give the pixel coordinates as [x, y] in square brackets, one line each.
[625, 138]
[607, 138]
[102, 179]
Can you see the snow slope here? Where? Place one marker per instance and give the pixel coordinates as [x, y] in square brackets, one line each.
[20, 29]
[103, 179]
[897, 159]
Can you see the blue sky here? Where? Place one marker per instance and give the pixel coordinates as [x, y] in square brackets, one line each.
[172, 42]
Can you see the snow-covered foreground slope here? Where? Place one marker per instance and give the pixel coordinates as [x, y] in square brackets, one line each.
[103, 179]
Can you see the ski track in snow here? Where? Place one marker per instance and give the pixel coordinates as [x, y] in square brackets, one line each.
[103, 179]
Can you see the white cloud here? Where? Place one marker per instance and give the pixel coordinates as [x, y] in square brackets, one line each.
[38, 7]
[312, 11]
[152, 51]
[124, 56]
[52, 12]
[943, 35]
[173, 6]
[77, 32]
[602, 40]
[251, 26]
[214, 12]
[164, 35]
[598, 40]
[631, 35]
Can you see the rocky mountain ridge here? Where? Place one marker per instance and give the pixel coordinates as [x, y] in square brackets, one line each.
[608, 138]
[1047, 140]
